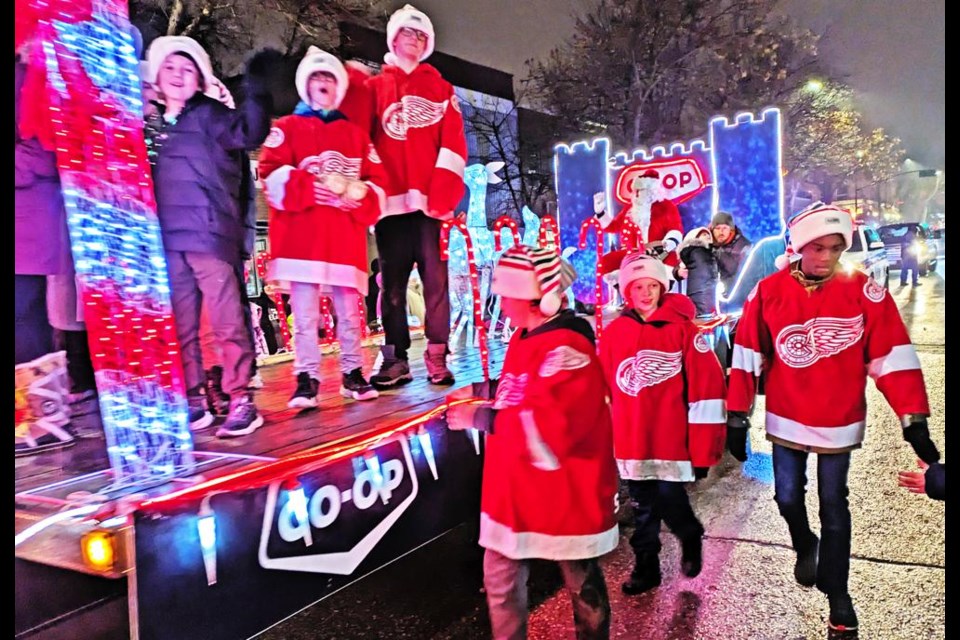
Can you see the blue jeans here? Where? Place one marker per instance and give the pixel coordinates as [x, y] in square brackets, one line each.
[790, 482]
[656, 501]
[908, 262]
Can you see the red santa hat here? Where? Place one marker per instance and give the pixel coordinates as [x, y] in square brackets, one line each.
[318, 60]
[411, 17]
[647, 180]
[637, 265]
[532, 273]
[816, 221]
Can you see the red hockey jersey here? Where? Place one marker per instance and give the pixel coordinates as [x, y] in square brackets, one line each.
[668, 393]
[320, 241]
[816, 350]
[418, 130]
[665, 223]
[549, 476]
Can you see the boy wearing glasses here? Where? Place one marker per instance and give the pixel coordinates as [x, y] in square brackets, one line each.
[418, 131]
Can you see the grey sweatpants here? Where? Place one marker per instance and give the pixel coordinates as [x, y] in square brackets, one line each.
[202, 278]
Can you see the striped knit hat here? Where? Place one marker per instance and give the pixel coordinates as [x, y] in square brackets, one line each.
[531, 273]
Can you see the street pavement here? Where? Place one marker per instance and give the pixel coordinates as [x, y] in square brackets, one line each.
[746, 590]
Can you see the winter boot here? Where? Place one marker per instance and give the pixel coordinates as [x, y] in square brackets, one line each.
[843, 617]
[805, 570]
[691, 561]
[436, 359]
[243, 418]
[83, 398]
[217, 401]
[41, 412]
[355, 386]
[645, 575]
[393, 371]
[305, 395]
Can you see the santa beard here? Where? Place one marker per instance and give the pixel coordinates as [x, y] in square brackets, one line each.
[640, 212]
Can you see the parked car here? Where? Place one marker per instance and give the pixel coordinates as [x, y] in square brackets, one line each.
[868, 254]
[924, 245]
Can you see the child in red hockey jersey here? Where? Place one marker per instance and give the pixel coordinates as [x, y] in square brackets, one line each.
[815, 333]
[549, 477]
[322, 177]
[669, 420]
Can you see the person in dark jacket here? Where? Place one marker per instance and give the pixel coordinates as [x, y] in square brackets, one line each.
[909, 261]
[197, 144]
[698, 266]
[931, 480]
[730, 247]
[41, 250]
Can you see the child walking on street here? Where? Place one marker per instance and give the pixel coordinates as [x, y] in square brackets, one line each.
[549, 477]
[669, 420]
[322, 177]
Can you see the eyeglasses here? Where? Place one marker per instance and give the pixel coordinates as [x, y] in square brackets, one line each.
[413, 33]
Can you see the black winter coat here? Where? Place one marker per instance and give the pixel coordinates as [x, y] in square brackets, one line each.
[729, 258]
[701, 277]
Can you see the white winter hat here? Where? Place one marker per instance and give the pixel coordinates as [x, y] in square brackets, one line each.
[409, 16]
[533, 273]
[636, 265]
[163, 46]
[819, 220]
[319, 60]
[816, 221]
[694, 234]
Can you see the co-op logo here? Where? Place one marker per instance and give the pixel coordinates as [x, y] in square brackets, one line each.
[681, 179]
[350, 507]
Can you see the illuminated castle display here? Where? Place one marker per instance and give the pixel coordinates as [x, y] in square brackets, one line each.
[738, 169]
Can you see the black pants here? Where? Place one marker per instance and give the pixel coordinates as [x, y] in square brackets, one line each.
[32, 333]
[79, 364]
[402, 241]
[656, 501]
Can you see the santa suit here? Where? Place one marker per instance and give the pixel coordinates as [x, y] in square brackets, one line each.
[816, 350]
[665, 226]
[549, 477]
[418, 131]
[667, 390]
[319, 242]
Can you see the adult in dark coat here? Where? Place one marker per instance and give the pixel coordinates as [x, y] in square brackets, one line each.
[730, 247]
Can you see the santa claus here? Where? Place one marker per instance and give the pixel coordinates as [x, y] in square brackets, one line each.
[656, 216]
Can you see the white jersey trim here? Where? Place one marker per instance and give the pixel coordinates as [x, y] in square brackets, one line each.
[669, 470]
[707, 412]
[282, 271]
[902, 357]
[451, 161]
[521, 545]
[839, 437]
[412, 200]
[747, 360]
[276, 186]
[540, 454]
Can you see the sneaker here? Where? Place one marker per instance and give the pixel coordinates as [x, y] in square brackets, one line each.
[217, 400]
[843, 617]
[435, 358]
[305, 397]
[197, 413]
[691, 561]
[645, 575]
[242, 420]
[355, 386]
[805, 570]
[42, 436]
[256, 381]
[393, 371]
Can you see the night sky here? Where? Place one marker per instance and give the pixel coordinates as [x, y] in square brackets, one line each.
[891, 51]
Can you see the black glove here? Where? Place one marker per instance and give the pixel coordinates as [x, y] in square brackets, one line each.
[263, 69]
[915, 432]
[737, 426]
[699, 473]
